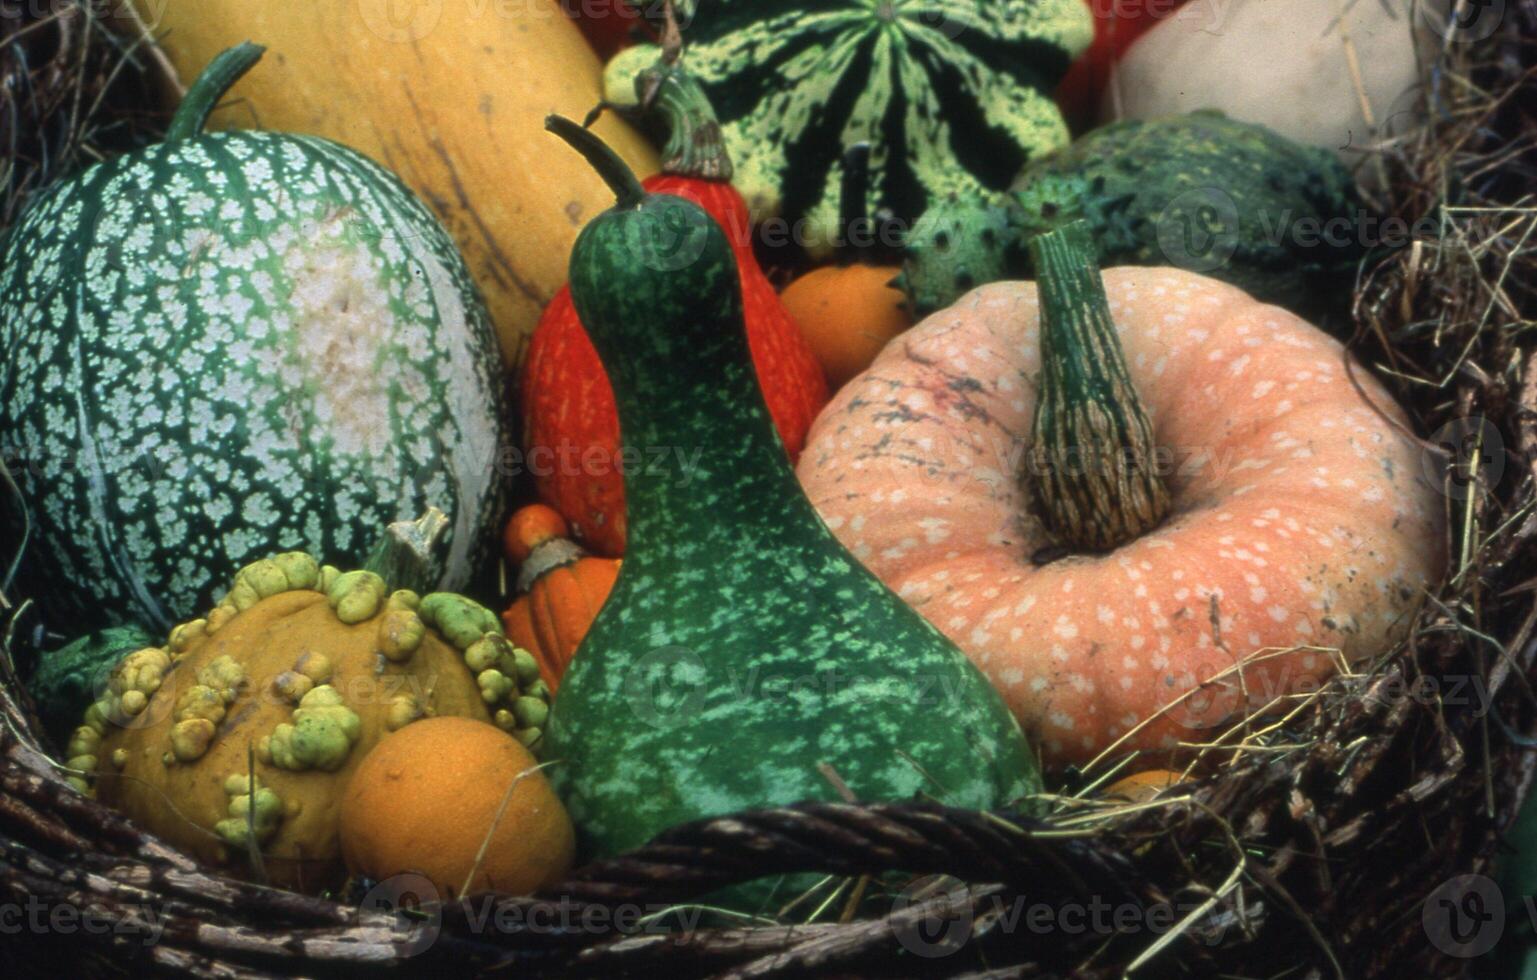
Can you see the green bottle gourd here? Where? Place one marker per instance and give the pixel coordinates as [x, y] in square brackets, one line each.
[745, 658]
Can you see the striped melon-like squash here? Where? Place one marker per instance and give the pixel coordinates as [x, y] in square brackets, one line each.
[953, 96]
[229, 345]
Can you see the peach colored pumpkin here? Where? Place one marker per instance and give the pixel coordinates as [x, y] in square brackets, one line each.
[1301, 522]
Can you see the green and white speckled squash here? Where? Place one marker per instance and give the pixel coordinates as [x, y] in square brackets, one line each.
[229, 345]
[954, 96]
[743, 654]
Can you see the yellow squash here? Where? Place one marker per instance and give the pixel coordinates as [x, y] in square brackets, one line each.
[451, 95]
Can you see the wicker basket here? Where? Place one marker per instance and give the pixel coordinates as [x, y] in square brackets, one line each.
[1331, 845]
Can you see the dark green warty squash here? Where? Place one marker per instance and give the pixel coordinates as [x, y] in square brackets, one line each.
[1230, 199]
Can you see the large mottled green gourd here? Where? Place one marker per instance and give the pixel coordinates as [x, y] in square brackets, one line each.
[1230, 199]
[953, 96]
[228, 345]
[744, 658]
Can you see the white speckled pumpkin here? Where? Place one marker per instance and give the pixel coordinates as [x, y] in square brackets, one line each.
[1341, 76]
[231, 344]
[1301, 530]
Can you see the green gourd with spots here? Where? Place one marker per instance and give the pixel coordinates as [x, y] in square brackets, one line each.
[744, 658]
[1203, 192]
[953, 97]
[231, 344]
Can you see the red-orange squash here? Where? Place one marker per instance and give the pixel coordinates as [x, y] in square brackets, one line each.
[571, 428]
[1117, 23]
[561, 589]
[608, 25]
[1301, 531]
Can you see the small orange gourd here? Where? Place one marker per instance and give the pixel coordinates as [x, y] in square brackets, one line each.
[459, 802]
[848, 311]
[561, 589]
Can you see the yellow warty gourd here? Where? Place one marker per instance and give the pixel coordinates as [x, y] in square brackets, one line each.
[451, 95]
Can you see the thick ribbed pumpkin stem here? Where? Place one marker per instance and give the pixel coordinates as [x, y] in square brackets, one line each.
[1095, 472]
[694, 146]
[216, 80]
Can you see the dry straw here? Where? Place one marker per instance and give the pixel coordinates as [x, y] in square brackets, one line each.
[1304, 843]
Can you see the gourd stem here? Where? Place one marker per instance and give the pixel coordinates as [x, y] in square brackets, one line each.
[216, 80]
[1095, 466]
[406, 553]
[694, 147]
[614, 171]
[552, 554]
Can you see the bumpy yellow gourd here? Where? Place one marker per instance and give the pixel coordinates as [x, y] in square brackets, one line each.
[451, 96]
[240, 734]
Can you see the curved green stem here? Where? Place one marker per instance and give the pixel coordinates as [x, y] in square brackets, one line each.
[1096, 475]
[614, 171]
[211, 86]
[694, 145]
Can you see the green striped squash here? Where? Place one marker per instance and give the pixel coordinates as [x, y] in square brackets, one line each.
[230, 345]
[954, 96]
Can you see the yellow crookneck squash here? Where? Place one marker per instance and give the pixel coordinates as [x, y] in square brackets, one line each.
[451, 96]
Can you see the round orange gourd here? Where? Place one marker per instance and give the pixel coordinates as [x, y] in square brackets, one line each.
[1296, 517]
[562, 588]
[429, 796]
[531, 527]
[847, 313]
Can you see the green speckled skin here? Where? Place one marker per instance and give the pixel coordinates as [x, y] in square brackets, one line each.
[954, 96]
[742, 645]
[1149, 187]
[232, 345]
